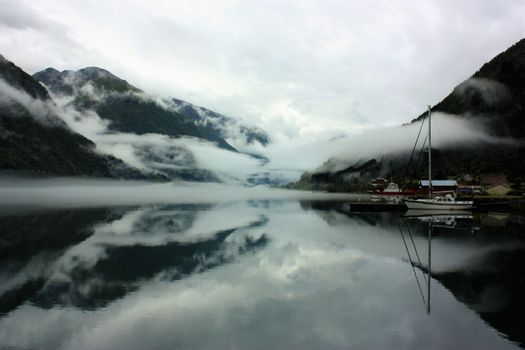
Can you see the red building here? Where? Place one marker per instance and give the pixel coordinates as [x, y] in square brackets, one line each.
[492, 179]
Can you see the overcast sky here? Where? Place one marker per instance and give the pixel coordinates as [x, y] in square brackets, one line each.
[301, 69]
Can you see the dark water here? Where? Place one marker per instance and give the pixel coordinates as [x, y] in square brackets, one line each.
[259, 275]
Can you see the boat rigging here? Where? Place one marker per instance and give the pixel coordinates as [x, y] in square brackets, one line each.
[444, 202]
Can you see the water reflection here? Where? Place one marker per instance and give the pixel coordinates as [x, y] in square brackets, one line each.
[495, 290]
[88, 258]
[256, 274]
[489, 281]
[32, 242]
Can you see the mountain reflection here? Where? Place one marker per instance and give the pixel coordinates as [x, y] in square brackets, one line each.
[88, 258]
[32, 242]
[490, 282]
[495, 293]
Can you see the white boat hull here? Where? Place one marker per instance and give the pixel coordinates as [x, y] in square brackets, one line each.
[428, 204]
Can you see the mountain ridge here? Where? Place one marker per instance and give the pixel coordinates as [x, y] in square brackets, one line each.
[61, 82]
[493, 91]
[128, 108]
[493, 97]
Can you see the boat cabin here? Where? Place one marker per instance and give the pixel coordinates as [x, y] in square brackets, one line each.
[438, 186]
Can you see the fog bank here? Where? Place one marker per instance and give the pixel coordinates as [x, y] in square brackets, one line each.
[71, 192]
[447, 131]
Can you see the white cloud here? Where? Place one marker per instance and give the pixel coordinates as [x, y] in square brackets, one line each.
[374, 143]
[157, 152]
[95, 193]
[42, 111]
[492, 92]
[310, 65]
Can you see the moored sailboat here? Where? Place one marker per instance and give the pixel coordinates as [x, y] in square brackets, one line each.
[445, 202]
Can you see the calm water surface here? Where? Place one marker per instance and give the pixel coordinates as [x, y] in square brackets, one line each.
[257, 275]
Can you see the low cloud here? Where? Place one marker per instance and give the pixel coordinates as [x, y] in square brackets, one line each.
[100, 193]
[15, 101]
[160, 153]
[151, 153]
[156, 153]
[492, 93]
[447, 131]
[243, 137]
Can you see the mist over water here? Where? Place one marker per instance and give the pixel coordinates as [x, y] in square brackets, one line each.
[71, 192]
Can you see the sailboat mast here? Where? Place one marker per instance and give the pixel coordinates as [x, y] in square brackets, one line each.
[430, 197]
[429, 154]
[429, 263]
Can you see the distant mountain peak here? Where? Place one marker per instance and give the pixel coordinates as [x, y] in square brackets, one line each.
[50, 70]
[92, 73]
[68, 82]
[95, 70]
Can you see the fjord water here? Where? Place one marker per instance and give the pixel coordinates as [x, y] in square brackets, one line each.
[258, 274]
